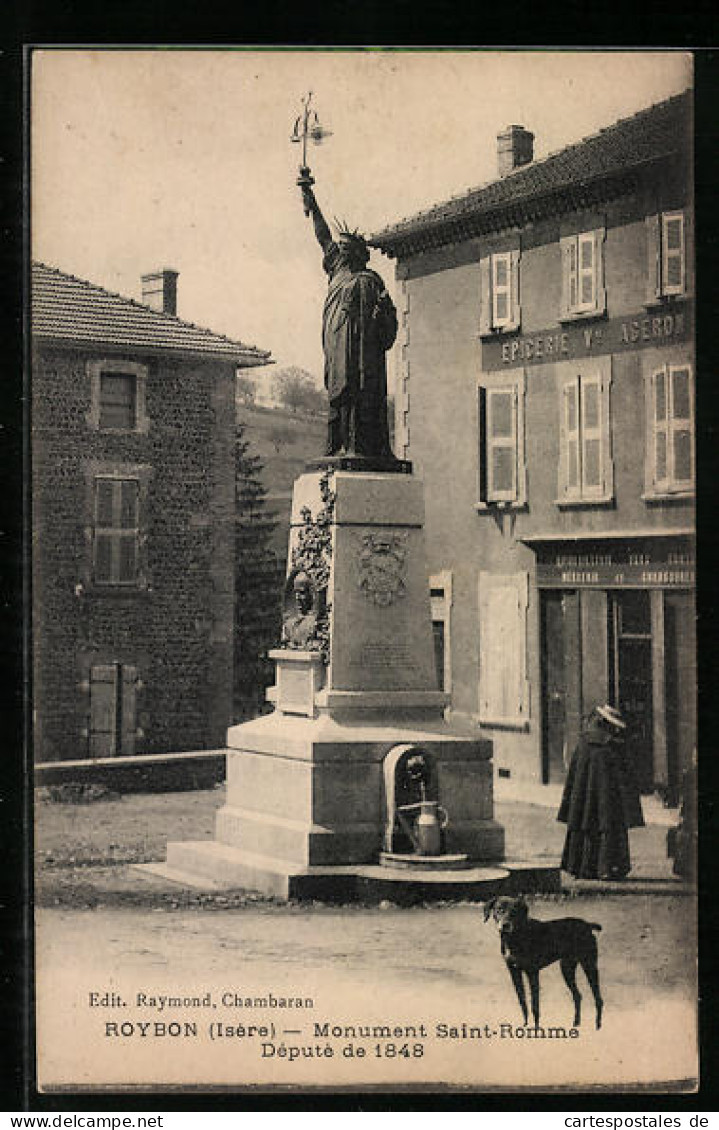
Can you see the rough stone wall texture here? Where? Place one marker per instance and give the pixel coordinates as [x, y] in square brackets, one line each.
[175, 626]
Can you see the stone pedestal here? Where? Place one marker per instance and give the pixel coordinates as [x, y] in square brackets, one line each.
[307, 795]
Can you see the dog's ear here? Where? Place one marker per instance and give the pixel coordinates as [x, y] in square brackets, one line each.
[523, 906]
[489, 907]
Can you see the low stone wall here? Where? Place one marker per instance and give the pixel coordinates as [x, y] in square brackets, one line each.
[151, 773]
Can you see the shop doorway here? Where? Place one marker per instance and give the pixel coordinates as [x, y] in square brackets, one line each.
[554, 687]
[630, 665]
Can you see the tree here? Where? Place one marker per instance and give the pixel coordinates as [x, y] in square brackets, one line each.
[245, 389]
[259, 578]
[297, 390]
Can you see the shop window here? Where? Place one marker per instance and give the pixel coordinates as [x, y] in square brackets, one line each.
[117, 396]
[502, 469]
[116, 531]
[667, 258]
[583, 290]
[499, 292]
[503, 685]
[670, 431]
[113, 725]
[586, 471]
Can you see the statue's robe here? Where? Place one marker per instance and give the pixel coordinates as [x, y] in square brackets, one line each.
[359, 325]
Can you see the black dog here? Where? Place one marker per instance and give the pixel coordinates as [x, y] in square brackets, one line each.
[528, 945]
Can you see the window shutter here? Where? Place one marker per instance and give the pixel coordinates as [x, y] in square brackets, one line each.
[592, 426]
[515, 314]
[128, 713]
[482, 443]
[485, 296]
[600, 290]
[568, 249]
[673, 253]
[660, 429]
[586, 272]
[607, 445]
[503, 691]
[502, 444]
[521, 455]
[570, 474]
[681, 430]
[103, 711]
[654, 265]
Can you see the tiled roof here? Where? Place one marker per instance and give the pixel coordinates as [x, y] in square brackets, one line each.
[661, 131]
[67, 308]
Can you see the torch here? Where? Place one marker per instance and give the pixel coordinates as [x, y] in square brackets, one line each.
[307, 126]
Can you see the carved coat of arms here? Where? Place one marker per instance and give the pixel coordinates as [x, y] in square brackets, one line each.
[383, 567]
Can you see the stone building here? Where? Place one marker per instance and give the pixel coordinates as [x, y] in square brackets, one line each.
[546, 395]
[133, 423]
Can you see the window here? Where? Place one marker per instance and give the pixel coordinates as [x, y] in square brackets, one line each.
[673, 253]
[585, 461]
[503, 685]
[499, 292]
[440, 592]
[116, 531]
[583, 289]
[666, 245]
[502, 473]
[113, 728]
[670, 431]
[117, 390]
[118, 401]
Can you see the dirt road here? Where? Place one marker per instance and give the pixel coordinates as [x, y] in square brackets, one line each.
[421, 966]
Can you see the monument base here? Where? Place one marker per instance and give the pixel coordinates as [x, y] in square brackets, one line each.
[357, 762]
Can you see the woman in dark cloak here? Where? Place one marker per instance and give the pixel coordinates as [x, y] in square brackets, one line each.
[601, 801]
[359, 325]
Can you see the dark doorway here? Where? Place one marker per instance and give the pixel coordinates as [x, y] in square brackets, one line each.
[554, 687]
[630, 638]
[680, 649]
[438, 635]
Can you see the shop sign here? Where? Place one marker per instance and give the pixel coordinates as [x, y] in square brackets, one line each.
[576, 340]
[616, 568]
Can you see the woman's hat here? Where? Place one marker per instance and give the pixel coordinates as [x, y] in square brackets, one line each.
[611, 714]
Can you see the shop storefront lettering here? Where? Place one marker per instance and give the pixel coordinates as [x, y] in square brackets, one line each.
[585, 340]
[652, 329]
[545, 347]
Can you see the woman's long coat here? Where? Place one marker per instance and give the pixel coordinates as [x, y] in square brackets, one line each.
[600, 802]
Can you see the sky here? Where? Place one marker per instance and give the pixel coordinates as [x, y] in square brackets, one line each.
[142, 159]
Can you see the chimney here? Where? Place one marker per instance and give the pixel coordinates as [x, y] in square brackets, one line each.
[159, 290]
[515, 147]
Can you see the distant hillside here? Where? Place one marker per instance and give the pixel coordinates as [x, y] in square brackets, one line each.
[285, 442]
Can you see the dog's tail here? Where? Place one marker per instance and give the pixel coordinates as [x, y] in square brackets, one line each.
[594, 926]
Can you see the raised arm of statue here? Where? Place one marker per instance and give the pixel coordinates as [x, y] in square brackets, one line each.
[312, 208]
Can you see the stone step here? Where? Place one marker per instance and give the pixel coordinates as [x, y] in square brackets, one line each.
[211, 866]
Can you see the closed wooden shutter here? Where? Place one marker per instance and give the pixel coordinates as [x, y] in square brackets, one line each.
[592, 447]
[128, 710]
[570, 455]
[600, 289]
[103, 710]
[515, 316]
[659, 432]
[673, 253]
[654, 262]
[502, 444]
[568, 248]
[503, 686]
[485, 296]
[681, 419]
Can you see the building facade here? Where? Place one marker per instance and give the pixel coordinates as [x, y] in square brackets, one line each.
[547, 397]
[133, 431]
